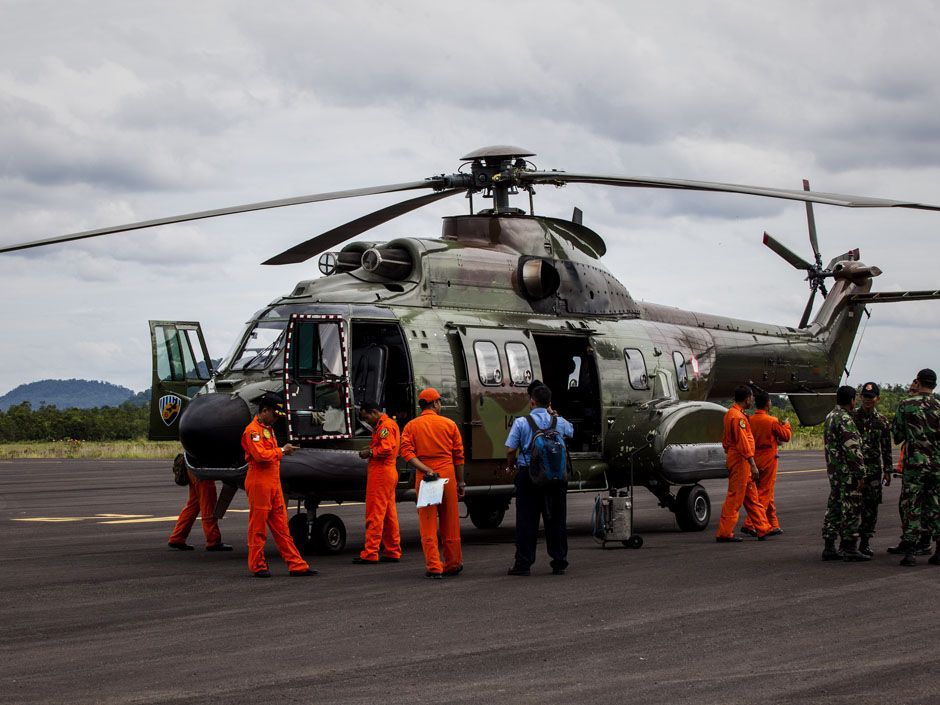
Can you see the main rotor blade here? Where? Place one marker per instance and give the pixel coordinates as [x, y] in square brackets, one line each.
[884, 297]
[786, 253]
[347, 231]
[811, 222]
[808, 310]
[262, 205]
[833, 199]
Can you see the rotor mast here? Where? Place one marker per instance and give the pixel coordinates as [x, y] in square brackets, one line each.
[494, 169]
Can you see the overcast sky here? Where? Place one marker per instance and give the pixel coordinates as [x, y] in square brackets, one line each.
[116, 111]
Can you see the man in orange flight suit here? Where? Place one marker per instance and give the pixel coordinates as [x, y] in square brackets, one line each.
[202, 499]
[381, 512]
[768, 432]
[431, 443]
[738, 442]
[265, 498]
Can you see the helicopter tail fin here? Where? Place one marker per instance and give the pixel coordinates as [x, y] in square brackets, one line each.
[835, 327]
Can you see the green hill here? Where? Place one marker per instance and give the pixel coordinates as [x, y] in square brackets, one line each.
[71, 394]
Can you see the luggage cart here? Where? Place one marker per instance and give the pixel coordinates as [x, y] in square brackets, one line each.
[613, 519]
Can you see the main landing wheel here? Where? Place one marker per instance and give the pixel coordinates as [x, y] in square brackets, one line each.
[486, 516]
[329, 534]
[693, 508]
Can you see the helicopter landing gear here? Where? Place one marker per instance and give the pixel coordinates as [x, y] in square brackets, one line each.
[487, 514]
[690, 504]
[693, 508]
[325, 534]
[329, 535]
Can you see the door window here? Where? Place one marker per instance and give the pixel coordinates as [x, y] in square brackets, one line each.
[636, 368]
[488, 367]
[682, 372]
[176, 359]
[520, 365]
[318, 401]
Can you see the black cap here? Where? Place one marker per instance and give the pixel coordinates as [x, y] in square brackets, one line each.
[927, 376]
[272, 400]
[870, 389]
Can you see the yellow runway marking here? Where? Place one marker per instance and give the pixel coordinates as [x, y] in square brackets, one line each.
[797, 472]
[143, 520]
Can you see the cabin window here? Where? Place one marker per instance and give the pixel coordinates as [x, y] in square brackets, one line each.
[491, 374]
[636, 368]
[520, 366]
[682, 372]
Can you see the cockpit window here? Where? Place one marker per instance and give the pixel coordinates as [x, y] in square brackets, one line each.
[318, 351]
[263, 344]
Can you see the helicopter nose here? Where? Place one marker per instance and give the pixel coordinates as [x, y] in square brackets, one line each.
[211, 428]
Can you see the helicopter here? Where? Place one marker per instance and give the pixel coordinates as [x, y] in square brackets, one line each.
[503, 297]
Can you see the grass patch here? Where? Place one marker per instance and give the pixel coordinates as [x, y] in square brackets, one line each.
[91, 450]
[803, 439]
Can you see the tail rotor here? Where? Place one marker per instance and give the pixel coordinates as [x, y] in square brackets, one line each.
[816, 274]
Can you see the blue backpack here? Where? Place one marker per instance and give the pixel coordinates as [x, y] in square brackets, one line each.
[548, 459]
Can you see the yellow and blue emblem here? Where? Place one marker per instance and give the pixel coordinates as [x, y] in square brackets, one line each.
[383, 433]
[170, 408]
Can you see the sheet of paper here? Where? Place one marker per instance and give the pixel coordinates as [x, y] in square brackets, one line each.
[430, 493]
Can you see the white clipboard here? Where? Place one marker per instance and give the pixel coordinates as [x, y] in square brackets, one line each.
[431, 493]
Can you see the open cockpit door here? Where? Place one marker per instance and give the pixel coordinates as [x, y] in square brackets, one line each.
[181, 367]
[316, 378]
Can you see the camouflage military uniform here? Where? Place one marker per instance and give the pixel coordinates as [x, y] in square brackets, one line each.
[846, 466]
[876, 448]
[917, 425]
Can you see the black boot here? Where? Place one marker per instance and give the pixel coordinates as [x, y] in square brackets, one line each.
[865, 547]
[935, 558]
[923, 546]
[850, 552]
[830, 553]
[902, 548]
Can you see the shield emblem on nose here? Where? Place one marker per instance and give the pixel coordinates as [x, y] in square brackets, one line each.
[170, 407]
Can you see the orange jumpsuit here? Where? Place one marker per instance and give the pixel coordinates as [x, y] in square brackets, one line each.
[738, 442]
[768, 432]
[381, 512]
[202, 498]
[435, 441]
[265, 499]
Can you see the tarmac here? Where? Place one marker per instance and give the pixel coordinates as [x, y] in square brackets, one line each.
[94, 608]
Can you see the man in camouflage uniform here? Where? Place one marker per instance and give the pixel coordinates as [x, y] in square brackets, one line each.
[845, 465]
[876, 447]
[917, 425]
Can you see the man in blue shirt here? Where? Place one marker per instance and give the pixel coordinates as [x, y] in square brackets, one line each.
[533, 501]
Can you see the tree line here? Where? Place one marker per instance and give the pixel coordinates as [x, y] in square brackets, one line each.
[22, 422]
[129, 420]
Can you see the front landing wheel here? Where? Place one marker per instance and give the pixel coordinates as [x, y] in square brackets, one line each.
[693, 508]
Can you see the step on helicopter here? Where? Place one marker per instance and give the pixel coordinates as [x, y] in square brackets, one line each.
[502, 297]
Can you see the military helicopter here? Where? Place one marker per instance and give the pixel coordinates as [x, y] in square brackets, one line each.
[503, 297]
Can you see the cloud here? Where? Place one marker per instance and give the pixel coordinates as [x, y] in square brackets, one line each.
[113, 114]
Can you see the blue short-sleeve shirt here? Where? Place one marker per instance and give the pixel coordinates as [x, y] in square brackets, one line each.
[520, 435]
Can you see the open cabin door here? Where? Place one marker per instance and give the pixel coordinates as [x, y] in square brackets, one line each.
[500, 365]
[178, 373]
[316, 378]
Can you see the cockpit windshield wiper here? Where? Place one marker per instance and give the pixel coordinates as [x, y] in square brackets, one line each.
[265, 354]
